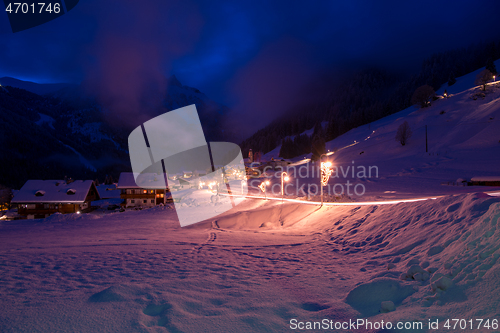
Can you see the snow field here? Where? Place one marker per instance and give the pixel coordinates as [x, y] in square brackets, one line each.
[244, 271]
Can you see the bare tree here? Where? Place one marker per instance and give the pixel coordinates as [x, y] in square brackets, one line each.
[422, 96]
[483, 77]
[404, 133]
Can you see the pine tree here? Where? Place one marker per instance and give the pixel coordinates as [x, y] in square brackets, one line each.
[318, 130]
[490, 65]
[452, 80]
[317, 147]
[284, 149]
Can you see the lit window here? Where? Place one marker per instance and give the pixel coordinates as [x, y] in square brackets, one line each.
[145, 191]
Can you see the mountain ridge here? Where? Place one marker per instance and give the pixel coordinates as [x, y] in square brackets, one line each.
[67, 132]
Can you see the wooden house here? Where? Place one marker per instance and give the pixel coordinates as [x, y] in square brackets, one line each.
[41, 198]
[485, 181]
[136, 196]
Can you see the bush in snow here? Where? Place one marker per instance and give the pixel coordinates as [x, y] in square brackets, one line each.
[404, 133]
[483, 77]
[422, 96]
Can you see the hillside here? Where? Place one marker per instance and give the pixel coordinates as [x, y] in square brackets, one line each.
[68, 133]
[463, 138]
[358, 98]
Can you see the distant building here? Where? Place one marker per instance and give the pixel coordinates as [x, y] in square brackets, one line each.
[41, 198]
[136, 196]
[485, 181]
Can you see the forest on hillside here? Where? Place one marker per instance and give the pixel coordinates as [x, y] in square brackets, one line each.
[361, 98]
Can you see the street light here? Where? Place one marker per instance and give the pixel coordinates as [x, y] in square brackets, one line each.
[326, 171]
[262, 187]
[494, 78]
[284, 178]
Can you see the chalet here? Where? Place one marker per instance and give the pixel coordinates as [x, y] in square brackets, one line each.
[41, 198]
[136, 196]
[485, 181]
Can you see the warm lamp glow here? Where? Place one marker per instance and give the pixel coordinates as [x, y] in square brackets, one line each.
[326, 171]
[286, 178]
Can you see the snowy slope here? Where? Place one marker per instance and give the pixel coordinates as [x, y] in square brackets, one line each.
[463, 142]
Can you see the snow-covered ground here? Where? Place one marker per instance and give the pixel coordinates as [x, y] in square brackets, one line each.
[267, 266]
[244, 272]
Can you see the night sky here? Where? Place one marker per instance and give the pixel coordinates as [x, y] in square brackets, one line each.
[254, 56]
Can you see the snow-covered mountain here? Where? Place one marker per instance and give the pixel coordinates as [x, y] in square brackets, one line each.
[66, 132]
[36, 88]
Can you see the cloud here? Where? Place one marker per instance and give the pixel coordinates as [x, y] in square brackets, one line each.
[133, 52]
[270, 84]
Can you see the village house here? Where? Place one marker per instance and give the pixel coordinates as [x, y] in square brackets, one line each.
[136, 196]
[41, 198]
[485, 181]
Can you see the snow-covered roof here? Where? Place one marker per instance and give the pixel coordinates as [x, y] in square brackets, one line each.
[152, 180]
[486, 179]
[53, 191]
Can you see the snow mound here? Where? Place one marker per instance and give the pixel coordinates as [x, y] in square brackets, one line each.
[118, 293]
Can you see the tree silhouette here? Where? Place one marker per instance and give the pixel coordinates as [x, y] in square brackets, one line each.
[483, 77]
[490, 65]
[422, 96]
[404, 133]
